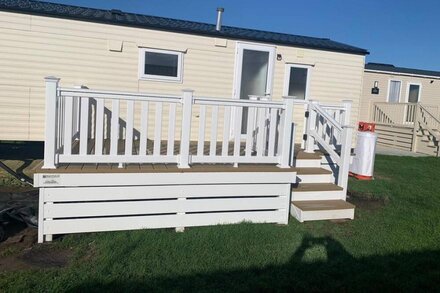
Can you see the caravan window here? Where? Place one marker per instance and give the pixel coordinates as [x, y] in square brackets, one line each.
[160, 65]
[413, 93]
[394, 91]
[296, 81]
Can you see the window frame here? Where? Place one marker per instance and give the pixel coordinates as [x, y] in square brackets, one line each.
[400, 90]
[288, 67]
[141, 69]
[408, 85]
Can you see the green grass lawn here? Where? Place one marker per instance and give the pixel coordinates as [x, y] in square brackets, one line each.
[393, 244]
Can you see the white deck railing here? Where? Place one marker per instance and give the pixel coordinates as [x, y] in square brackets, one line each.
[88, 126]
[329, 127]
[399, 113]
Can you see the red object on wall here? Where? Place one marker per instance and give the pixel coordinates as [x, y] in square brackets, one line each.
[366, 126]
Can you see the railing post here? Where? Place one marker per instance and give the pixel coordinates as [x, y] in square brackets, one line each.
[344, 163]
[50, 123]
[288, 141]
[310, 126]
[346, 139]
[187, 102]
[347, 112]
[415, 128]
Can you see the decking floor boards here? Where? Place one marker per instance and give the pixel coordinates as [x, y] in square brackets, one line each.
[159, 167]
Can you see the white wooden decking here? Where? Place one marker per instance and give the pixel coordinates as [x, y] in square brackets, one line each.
[86, 198]
[408, 127]
[102, 173]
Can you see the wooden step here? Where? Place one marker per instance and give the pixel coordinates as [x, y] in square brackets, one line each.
[302, 155]
[309, 187]
[317, 191]
[307, 160]
[312, 210]
[314, 175]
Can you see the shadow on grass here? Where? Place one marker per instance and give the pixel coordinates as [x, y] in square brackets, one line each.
[340, 271]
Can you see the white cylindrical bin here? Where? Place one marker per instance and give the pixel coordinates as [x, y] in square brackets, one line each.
[363, 161]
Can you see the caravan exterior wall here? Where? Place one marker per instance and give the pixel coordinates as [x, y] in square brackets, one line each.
[429, 91]
[106, 57]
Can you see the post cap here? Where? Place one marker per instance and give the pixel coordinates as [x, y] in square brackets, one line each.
[188, 90]
[347, 101]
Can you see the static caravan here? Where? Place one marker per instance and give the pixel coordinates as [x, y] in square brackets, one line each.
[404, 103]
[134, 107]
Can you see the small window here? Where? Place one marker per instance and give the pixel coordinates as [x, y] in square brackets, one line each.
[413, 93]
[394, 91]
[160, 65]
[296, 81]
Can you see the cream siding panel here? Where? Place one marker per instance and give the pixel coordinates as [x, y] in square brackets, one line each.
[15, 21]
[14, 117]
[77, 52]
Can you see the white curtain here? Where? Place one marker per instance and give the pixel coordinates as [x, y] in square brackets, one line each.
[394, 91]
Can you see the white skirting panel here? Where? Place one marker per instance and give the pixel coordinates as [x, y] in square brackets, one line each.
[90, 204]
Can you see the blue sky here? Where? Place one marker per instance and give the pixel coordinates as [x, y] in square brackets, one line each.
[401, 32]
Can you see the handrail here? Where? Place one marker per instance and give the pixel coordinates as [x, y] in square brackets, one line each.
[316, 133]
[330, 119]
[332, 107]
[66, 92]
[119, 93]
[393, 103]
[425, 125]
[235, 102]
[433, 133]
[430, 114]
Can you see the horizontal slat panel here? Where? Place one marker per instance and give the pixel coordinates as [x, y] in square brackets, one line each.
[159, 192]
[394, 129]
[386, 133]
[394, 138]
[96, 209]
[161, 221]
[406, 147]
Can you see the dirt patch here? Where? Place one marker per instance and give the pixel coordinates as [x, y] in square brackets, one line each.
[21, 252]
[366, 201]
[46, 256]
[21, 240]
[7, 189]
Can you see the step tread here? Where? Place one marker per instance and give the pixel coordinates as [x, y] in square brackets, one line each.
[317, 187]
[302, 155]
[312, 171]
[322, 205]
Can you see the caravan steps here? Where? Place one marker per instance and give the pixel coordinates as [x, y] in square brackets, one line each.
[312, 210]
[316, 196]
[317, 191]
[314, 175]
